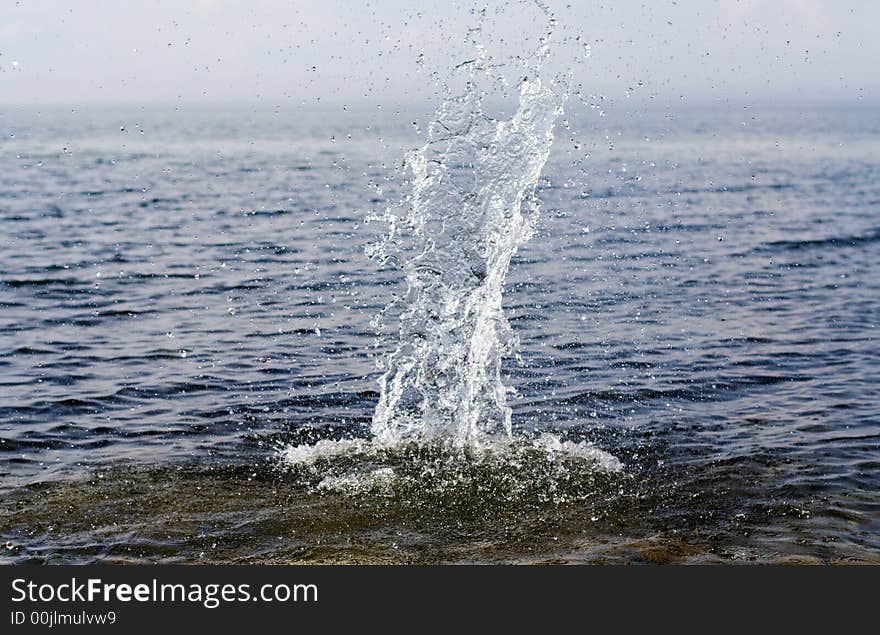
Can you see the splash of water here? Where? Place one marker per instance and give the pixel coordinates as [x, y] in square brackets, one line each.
[472, 205]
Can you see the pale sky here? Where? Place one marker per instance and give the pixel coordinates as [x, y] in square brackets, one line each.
[382, 51]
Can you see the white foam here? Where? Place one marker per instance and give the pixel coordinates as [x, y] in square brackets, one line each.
[326, 448]
[553, 445]
[376, 449]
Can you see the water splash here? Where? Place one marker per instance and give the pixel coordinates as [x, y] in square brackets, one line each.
[528, 471]
[472, 205]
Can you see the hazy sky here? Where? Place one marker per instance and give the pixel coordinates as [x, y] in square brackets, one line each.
[271, 51]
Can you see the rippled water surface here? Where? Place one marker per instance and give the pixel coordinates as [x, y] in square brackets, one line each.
[182, 293]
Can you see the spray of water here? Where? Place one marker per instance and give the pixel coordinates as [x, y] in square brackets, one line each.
[472, 205]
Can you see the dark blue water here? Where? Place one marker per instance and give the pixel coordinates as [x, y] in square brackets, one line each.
[183, 291]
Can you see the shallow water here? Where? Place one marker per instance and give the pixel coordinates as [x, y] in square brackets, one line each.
[183, 293]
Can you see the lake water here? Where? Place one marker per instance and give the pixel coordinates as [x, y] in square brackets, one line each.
[184, 293]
